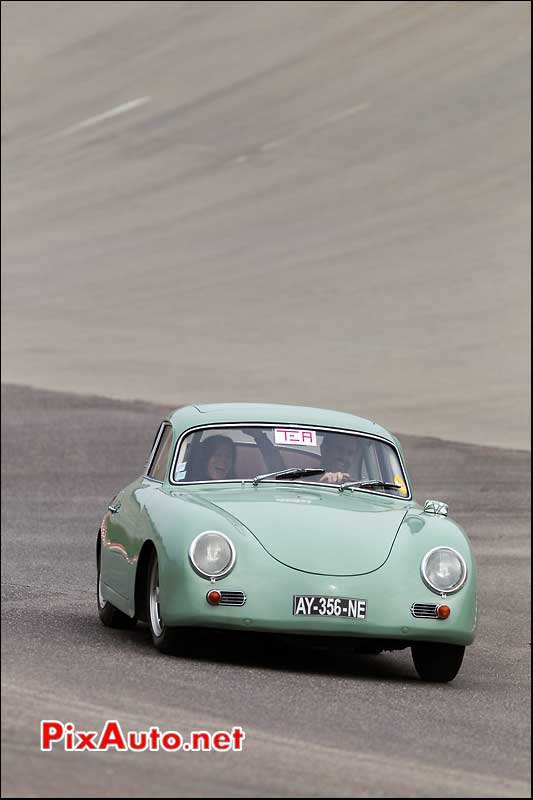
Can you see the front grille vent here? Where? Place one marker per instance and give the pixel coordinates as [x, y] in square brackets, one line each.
[232, 598]
[424, 610]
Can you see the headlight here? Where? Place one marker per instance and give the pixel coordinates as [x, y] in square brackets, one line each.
[444, 570]
[212, 554]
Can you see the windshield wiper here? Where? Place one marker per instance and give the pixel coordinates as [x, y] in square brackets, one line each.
[367, 484]
[293, 472]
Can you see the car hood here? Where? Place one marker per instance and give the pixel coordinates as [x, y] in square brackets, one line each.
[318, 531]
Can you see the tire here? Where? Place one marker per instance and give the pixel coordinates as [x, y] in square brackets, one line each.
[165, 639]
[438, 663]
[109, 615]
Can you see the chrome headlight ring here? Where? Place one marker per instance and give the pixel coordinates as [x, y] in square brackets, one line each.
[431, 584]
[201, 569]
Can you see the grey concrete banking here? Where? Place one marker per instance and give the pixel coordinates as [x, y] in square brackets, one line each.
[276, 200]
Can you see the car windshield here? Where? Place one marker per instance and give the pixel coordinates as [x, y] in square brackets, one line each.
[245, 453]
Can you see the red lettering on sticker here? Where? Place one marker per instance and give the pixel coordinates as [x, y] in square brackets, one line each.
[292, 436]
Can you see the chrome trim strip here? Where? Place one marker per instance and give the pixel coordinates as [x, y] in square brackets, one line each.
[428, 583]
[226, 570]
[219, 425]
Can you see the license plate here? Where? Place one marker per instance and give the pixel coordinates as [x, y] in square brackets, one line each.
[315, 606]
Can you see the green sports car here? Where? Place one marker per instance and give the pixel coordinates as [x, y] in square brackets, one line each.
[288, 520]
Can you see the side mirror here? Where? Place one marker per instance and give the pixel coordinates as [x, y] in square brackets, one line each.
[436, 507]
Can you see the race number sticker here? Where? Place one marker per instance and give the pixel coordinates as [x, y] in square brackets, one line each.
[294, 436]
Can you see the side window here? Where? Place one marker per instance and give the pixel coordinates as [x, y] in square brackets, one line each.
[158, 466]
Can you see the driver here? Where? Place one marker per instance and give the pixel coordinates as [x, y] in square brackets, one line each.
[337, 452]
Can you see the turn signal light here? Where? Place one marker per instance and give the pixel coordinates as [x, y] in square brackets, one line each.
[214, 597]
[443, 612]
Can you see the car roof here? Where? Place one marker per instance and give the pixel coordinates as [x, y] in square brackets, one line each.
[211, 414]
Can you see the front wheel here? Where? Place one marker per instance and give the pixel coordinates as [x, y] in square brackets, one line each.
[438, 663]
[166, 639]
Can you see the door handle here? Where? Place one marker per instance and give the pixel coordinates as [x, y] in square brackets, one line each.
[114, 508]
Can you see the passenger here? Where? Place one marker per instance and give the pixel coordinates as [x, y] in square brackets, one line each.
[216, 459]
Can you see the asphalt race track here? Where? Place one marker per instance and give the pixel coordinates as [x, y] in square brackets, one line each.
[316, 725]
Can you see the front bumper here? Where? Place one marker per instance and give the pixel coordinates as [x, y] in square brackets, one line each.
[269, 604]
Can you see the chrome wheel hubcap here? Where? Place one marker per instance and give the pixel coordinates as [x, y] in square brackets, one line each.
[155, 608]
[101, 601]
